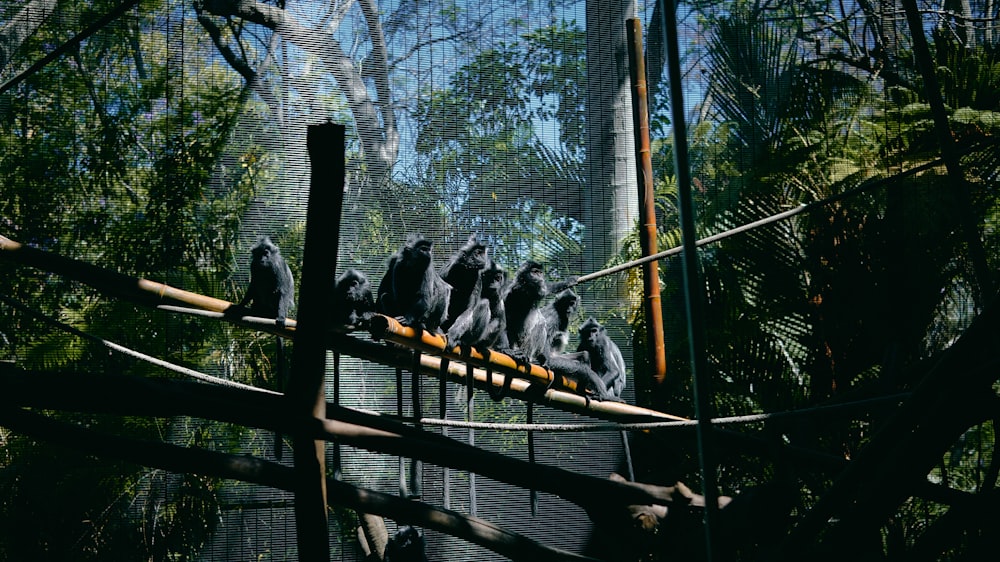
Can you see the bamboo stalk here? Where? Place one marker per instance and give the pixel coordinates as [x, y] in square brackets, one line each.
[163, 297]
[503, 366]
[136, 289]
[390, 329]
[656, 348]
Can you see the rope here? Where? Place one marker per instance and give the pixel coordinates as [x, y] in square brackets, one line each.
[130, 352]
[594, 427]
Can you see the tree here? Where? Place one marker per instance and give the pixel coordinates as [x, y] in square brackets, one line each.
[854, 295]
[374, 118]
[611, 173]
[29, 18]
[95, 168]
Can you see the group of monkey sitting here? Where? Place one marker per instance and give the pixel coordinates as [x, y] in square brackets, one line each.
[468, 300]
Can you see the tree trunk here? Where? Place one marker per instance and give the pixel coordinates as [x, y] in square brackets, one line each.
[611, 199]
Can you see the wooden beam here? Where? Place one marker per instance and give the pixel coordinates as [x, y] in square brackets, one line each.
[306, 395]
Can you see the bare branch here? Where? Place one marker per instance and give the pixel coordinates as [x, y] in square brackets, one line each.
[380, 144]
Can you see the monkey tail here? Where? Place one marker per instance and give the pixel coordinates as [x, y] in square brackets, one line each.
[496, 395]
[280, 377]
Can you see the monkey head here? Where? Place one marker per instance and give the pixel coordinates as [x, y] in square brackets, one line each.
[353, 286]
[264, 252]
[494, 278]
[407, 545]
[473, 255]
[590, 333]
[566, 303]
[417, 252]
[532, 274]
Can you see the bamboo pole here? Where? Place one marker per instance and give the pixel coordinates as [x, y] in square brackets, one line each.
[647, 205]
[390, 329]
[529, 387]
[136, 289]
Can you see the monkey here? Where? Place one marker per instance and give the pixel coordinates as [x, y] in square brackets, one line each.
[482, 324]
[353, 303]
[589, 383]
[605, 357]
[557, 315]
[462, 273]
[406, 545]
[525, 324]
[527, 330]
[411, 290]
[272, 289]
[270, 295]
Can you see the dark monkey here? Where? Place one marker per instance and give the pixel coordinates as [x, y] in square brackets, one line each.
[411, 289]
[526, 326]
[270, 295]
[484, 322]
[353, 303]
[557, 315]
[528, 334]
[407, 545]
[483, 325]
[462, 273]
[605, 357]
[272, 291]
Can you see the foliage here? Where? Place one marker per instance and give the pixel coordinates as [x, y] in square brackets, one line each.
[479, 137]
[853, 295]
[122, 153]
[95, 169]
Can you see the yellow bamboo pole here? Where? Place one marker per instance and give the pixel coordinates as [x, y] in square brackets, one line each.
[647, 205]
[561, 395]
[116, 284]
[389, 329]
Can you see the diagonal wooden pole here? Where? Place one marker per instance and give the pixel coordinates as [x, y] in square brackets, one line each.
[306, 397]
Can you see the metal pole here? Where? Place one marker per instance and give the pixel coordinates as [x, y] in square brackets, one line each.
[692, 283]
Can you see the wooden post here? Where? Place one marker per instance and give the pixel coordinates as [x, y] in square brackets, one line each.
[306, 397]
[647, 204]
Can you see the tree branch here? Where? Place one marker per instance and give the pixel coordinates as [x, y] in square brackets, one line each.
[380, 145]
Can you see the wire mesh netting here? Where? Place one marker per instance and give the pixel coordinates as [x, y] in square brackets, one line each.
[840, 157]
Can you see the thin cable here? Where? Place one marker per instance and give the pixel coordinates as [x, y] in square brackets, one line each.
[71, 44]
[131, 352]
[758, 223]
